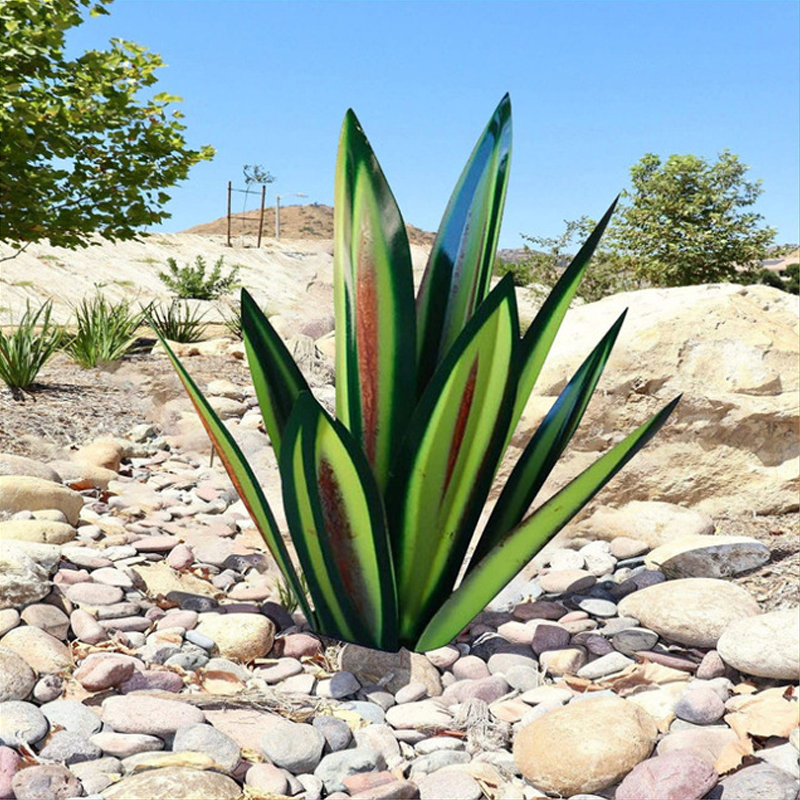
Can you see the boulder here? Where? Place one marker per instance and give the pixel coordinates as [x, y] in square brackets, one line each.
[731, 444]
[691, 611]
[24, 493]
[767, 646]
[174, 783]
[587, 759]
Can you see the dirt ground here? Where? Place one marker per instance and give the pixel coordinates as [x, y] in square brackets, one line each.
[69, 406]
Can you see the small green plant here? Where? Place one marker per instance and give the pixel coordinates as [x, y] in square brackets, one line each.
[105, 331]
[232, 320]
[177, 322]
[286, 596]
[25, 350]
[383, 501]
[192, 283]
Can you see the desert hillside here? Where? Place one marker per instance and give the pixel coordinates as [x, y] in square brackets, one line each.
[313, 221]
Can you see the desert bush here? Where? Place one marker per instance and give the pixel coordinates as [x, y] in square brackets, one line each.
[25, 350]
[177, 322]
[105, 331]
[191, 282]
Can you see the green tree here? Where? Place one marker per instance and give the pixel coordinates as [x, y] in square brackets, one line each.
[546, 258]
[687, 221]
[81, 149]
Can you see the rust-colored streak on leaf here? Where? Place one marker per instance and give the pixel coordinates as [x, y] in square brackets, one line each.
[461, 424]
[367, 347]
[337, 527]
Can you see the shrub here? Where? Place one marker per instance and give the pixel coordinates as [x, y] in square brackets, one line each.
[383, 501]
[192, 283]
[27, 348]
[177, 322]
[105, 331]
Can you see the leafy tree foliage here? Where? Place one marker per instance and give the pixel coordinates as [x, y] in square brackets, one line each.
[81, 149]
[687, 221]
[191, 282]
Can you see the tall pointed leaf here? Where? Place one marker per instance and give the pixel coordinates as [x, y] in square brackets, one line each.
[374, 304]
[448, 460]
[460, 265]
[546, 446]
[277, 380]
[243, 479]
[515, 549]
[539, 337]
[337, 523]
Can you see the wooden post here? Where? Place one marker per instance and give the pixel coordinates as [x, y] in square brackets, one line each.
[261, 216]
[229, 213]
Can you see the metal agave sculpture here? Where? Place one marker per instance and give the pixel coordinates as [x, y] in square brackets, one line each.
[383, 501]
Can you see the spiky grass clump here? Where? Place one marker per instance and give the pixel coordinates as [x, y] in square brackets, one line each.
[25, 350]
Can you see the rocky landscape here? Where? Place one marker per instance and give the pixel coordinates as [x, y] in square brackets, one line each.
[149, 650]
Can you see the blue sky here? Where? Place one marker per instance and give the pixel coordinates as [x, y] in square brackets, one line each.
[594, 86]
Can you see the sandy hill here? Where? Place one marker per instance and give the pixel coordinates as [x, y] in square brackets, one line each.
[313, 221]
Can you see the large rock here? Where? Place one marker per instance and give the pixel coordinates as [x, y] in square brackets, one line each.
[174, 783]
[43, 652]
[731, 444]
[767, 646]
[691, 611]
[240, 636]
[16, 677]
[586, 759]
[24, 493]
[149, 715]
[20, 465]
[708, 556]
[37, 530]
[402, 668]
[680, 775]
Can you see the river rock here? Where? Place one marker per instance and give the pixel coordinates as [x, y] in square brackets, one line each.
[124, 745]
[691, 611]
[48, 618]
[446, 784]
[21, 723]
[72, 716]
[174, 783]
[37, 530]
[421, 715]
[708, 556]
[700, 705]
[369, 666]
[69, 747]
[104, 672]
[45, 782]
[9, 763]
[335, 767]
[240, 636]
[24, 493]
[17, 679]
[680, 775]
[596, 760]
[759, 782]
[293, 746]
[707, 743]
[208, 740]
[43, 652]
[767, 646]
[105, 453]
[151, 715]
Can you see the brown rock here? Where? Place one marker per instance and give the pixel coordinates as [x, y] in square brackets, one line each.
[566, 661]
[679, 775]
[596, 760]
[150, 715]
[174, 783]
[370, 666]
[691, 611]
[240, 636]
[43, 652]
[45, 782]
[103, 673]
[106, 453]
[47, 617]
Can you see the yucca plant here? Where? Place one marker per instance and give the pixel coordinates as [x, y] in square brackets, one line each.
[383, 501]
[105, 332]
[178, 322]
[26, 349]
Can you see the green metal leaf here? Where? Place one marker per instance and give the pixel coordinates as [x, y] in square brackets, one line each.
[374, 304]
[449, 458]
[539, 337]
[243, 479]
[277, 380]
[460, 265]
[519, 545]
[546, 446]
[338, 527]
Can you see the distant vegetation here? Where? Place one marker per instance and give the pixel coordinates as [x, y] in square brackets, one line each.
[192, 283]
[684, 221]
